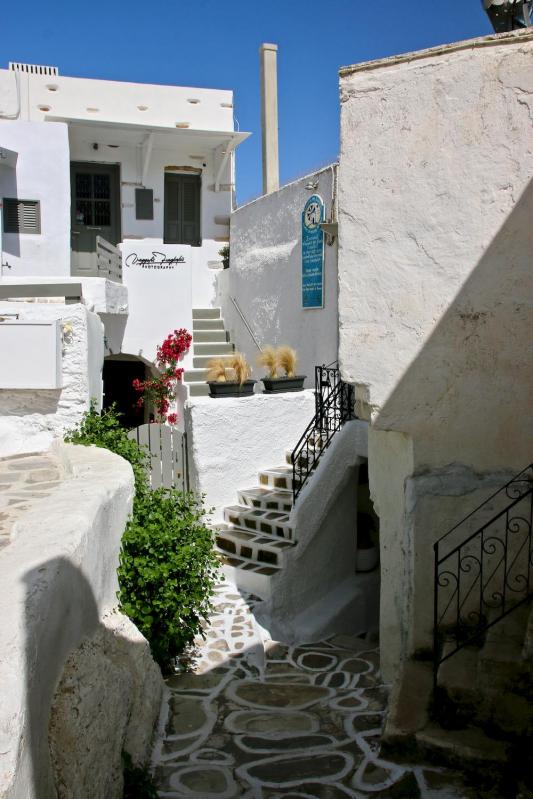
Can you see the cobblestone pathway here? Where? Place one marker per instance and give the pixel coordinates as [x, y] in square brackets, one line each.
[23, 480]
[259, 720]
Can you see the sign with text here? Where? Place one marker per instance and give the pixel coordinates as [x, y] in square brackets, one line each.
[313, 253]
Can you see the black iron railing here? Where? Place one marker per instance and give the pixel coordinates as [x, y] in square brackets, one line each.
[483, 571]
[334, 405]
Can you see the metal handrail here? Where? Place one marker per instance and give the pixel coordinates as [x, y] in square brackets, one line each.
[245, 321]
[487, 575]
[333, 409]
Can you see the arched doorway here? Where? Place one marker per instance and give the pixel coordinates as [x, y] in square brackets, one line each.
[118, 375]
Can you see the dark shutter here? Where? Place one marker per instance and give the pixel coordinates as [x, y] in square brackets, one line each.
[182, 209]
[22, 216]
[144, 204]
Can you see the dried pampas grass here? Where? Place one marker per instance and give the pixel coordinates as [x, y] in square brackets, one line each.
[287, 360]
[269, 359]
[217, 370]
[240, 366]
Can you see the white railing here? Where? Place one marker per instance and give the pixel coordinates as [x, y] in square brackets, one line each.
[105, 261]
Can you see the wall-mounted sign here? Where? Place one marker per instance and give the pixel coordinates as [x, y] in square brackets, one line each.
[313, 253]
[155, 260]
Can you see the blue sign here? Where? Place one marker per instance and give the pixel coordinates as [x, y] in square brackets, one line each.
[313, 253]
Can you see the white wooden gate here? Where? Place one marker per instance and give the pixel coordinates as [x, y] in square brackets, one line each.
[167, 448]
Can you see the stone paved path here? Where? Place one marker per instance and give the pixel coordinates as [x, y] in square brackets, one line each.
[24, 479]
[260, 720]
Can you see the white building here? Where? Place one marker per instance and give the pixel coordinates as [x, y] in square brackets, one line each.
[127, 182]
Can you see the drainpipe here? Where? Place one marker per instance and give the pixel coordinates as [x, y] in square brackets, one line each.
[268, 54]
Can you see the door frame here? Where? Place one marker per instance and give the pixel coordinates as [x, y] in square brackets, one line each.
[116, 205]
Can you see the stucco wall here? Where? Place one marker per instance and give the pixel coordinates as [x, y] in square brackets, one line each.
[229, 440]
[265, 277]
[42, 173]
[435, 209]
[31, 419]
[58, 582]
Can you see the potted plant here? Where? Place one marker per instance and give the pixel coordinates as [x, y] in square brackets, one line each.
[367, 555]
[228, 377]
[282, 359]
[224, 253]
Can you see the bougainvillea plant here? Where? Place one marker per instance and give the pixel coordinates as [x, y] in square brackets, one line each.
[161, 390]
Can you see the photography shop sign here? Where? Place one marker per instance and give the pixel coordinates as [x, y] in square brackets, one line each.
[313, 253]
[153, 260]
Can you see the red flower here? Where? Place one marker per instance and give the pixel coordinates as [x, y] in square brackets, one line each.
[172, 418]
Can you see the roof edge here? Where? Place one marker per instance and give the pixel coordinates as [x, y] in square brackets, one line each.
[513, 37]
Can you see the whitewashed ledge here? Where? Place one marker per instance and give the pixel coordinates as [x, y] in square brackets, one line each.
[59, 624]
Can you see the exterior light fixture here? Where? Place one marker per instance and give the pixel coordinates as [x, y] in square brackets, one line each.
[509, 15]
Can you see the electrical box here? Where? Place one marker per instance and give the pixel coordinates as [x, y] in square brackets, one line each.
[30, 354]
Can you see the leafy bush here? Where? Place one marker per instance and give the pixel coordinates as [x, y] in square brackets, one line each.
[167, 569]
[167, 564]
[138, 783]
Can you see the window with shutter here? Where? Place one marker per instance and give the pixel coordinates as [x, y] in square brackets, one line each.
[182, 209]
[21, 216]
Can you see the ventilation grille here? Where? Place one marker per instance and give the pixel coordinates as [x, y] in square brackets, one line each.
[22, 216]
[33, 69]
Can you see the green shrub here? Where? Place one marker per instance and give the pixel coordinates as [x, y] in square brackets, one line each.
[138, 783]
[167, 567]
[167, 570]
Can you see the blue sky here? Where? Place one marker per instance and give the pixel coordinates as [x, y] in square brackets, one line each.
[213, 44]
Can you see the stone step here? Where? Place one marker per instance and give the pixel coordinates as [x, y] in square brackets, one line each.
[207, 324]
[202, 361]
[266, 499]
[454, 747]
[267, 522]
[195, 376]
[198, 390]
[261, 549]
[213, 350]
[277, 477]
[248, 575]
[200, 336]
[205, 313]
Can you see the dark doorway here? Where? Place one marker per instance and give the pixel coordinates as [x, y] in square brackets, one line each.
[95, 208]
[118, 389]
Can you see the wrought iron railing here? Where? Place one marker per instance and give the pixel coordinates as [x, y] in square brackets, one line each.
[334, 405]
[483, 571]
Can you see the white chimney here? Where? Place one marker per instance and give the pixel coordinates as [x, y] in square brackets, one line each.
[269, 116]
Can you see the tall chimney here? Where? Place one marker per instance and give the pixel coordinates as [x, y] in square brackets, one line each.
[269, 116]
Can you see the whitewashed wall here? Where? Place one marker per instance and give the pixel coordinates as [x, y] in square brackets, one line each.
[435, 248]
[265, 277]
[230, 440]
[31, 419]
[215, 206]
[42, 173]
[436, 294]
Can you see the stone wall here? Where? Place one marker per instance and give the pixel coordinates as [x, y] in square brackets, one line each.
[436, 294]
[30, 419]
[78, 682]
[265, 276]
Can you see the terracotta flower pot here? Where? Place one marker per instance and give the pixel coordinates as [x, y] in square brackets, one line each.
[277, 385]
[231, 388]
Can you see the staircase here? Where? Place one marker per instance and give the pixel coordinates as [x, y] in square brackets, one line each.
[210, 340]
[256, 531]
[474, 707]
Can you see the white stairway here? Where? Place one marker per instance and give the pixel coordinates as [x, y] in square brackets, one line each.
[209, 340]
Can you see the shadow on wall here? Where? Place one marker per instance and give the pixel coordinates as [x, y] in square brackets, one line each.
[80, 698]
[9, 189]
[466, 397]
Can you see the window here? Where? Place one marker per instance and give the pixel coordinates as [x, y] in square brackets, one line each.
[182, 209]
[144, 204]
[22, 216]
